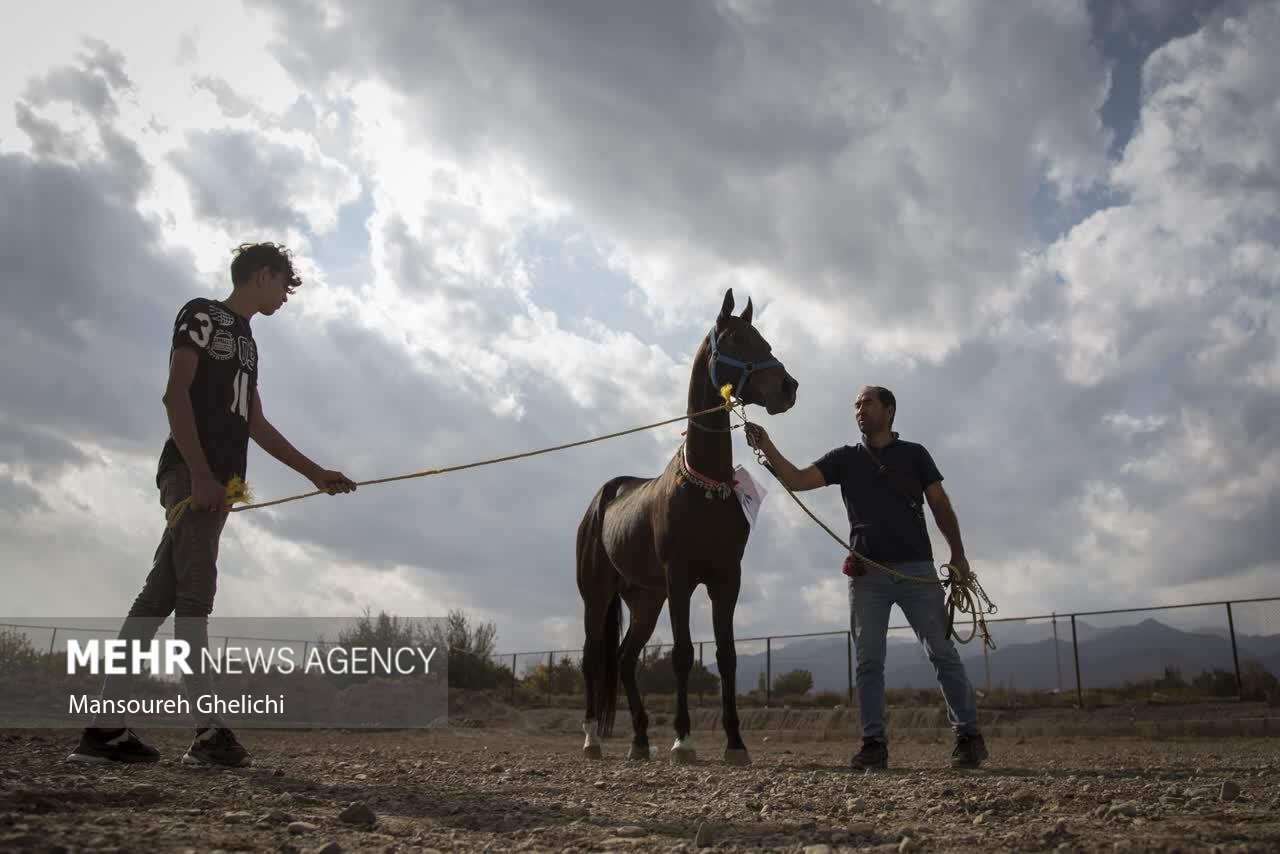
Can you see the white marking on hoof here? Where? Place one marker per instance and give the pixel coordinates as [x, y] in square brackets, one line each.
[683, 752]
[739, 757]
[591, 746]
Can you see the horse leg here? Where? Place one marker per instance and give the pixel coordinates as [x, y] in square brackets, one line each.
[645, 606]
[600, 668]
[682, 662]
[724, 598]
[598, 584]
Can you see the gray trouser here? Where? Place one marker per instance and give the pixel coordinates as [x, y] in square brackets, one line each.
[182, 582]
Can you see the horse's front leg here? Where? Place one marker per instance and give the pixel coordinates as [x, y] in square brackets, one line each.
[678, 597]
[724, 598]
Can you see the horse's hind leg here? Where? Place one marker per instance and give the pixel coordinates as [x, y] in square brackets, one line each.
[598, 584]
[645, 606]
[601, 618]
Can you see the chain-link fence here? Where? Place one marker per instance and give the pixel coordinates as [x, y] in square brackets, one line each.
[1196, 650]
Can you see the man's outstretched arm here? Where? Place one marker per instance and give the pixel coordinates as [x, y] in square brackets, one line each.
[267, 437]
[795, 479]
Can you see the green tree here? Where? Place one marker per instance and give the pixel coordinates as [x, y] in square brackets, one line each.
[1172, 681]
[470, 646]
[17, 655]
[384, 632]
[795, 683]
[1259, 683]
[467, 646]
[656, 674]
[1215, 683]
[563, 677]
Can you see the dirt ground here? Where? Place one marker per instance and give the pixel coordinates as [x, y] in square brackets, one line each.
[505, 784]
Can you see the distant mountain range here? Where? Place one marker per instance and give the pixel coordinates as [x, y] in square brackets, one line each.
[1025, 659]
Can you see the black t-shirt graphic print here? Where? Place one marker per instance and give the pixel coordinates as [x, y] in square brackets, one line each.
[224, 387]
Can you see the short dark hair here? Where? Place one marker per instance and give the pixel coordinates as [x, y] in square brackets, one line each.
[886, 400]
[252, 257]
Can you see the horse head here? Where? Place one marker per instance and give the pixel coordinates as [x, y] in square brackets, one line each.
[740, 355]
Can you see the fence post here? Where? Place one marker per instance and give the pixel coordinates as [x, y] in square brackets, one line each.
[1075, 650]
[1057, 653]
[513, 678]
[848, 663]
[701, 666]
[986, 664]
[551, 669]
[768, 671]
[51, 641]
[1235, 656]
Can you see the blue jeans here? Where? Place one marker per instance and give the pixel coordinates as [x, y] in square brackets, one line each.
[870, 597]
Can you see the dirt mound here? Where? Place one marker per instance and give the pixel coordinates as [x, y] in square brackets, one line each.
[478, 708]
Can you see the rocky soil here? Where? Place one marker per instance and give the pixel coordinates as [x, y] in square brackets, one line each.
[504, 789]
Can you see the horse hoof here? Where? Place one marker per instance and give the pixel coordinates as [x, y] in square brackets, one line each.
[739, 757]
[684, 755]
[640, 754]
[592, 751]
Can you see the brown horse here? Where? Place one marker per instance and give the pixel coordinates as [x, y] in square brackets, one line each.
[647, 541]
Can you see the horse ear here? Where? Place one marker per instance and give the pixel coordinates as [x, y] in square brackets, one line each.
[746, 312]
[726, 310]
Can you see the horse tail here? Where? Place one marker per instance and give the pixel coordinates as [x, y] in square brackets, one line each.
[597, 577]
[607, 685]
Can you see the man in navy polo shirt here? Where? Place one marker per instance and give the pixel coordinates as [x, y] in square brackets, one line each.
[885, 483]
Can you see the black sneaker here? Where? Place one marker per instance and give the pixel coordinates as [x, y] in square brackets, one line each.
[874, 756]
[970, 751]
[217, 747]
[112, 746]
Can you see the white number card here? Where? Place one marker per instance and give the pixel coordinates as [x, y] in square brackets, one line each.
[750, 494]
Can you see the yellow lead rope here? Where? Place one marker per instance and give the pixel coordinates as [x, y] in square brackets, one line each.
[238, 492]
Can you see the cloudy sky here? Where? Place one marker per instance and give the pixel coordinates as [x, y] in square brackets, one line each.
[1050, 227]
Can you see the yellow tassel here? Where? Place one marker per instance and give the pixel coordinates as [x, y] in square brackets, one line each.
[725, 391]
[237, 493]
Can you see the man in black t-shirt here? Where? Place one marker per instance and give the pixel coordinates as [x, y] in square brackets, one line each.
[214, 410]
[885, 483]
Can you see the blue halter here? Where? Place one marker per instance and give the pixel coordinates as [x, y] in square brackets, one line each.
[746, 368]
